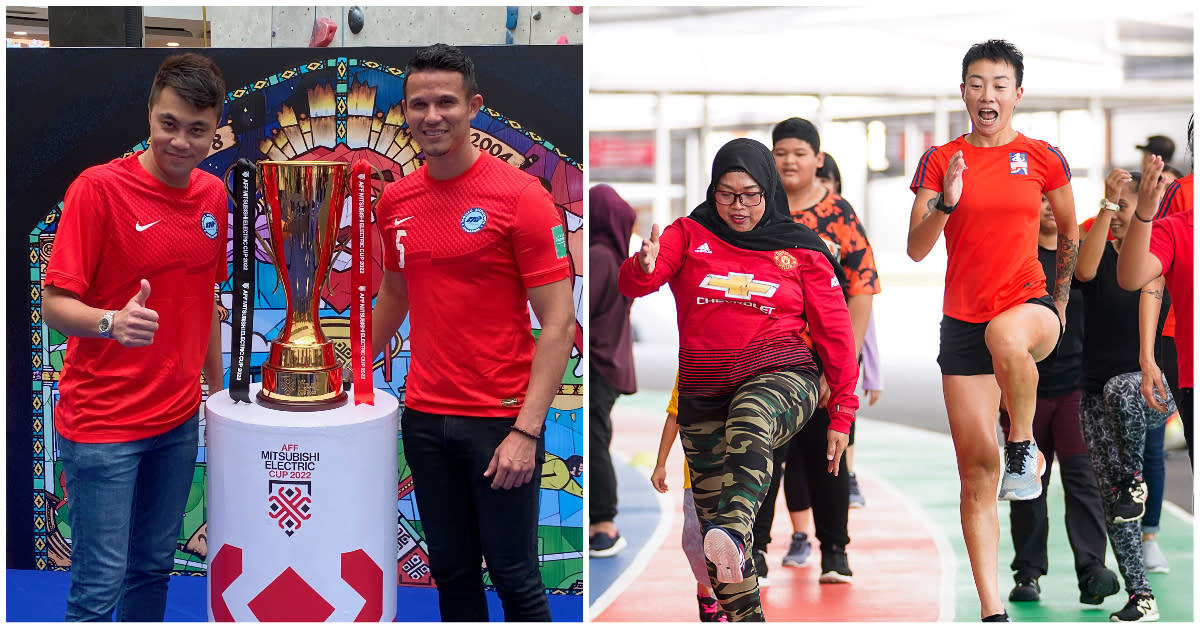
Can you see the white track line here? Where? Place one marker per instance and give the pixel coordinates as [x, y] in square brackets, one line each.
[666, 518]
[947, 561]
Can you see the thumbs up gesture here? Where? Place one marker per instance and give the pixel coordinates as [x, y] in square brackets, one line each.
[134, 325]
[649, 251]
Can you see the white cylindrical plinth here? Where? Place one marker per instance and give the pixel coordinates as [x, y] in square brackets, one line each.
[301, 511]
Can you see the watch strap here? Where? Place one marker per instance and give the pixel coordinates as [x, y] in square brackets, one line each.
[940, 204]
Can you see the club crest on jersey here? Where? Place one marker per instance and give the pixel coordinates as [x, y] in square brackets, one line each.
[474, 220]
[1018, 163]
[739, 285]
[785, 260]
[208, 223]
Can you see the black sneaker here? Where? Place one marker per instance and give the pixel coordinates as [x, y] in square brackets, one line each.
[1097, 585]
[1131, 500]
[760, 567]
[997, 617]
[1026, 590]
[601, 545]
[835, 569]
[1140, 607]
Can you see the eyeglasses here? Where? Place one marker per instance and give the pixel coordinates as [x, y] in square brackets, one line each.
[748, 199]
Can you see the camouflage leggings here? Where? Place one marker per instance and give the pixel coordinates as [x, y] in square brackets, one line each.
[730, 465]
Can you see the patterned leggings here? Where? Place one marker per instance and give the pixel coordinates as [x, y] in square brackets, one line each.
[1116, 437]
[730, 464]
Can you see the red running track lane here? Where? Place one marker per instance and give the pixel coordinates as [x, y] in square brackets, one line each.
[897, 573]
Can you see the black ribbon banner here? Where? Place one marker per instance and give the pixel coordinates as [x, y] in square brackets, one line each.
[245, 184]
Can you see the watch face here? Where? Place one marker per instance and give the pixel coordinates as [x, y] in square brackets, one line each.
[105, 323]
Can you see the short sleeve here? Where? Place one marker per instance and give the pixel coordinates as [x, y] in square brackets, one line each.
[1058, 172]
[1162, 245]
[539, 238]
[79, 239]
[931, 171]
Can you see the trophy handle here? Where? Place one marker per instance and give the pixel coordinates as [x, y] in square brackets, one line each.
[345, 243]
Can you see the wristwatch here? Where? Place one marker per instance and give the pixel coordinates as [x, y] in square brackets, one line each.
[1109, 205]
[939, 203]
[105, 325]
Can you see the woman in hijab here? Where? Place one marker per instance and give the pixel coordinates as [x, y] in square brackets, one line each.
[747, 280]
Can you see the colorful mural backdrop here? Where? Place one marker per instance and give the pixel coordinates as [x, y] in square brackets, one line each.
[341, 108]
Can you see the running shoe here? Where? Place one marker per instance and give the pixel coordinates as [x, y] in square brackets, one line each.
[760, 567]
[1153, 557]
[1131, 500]
[603, 545]
[1140, 607]
[1023, 469]
[835, 569]
[726, 553]
[798, 552]
[710, 608]
[997, 617]
[856, 497]
[1027, 589]
[1098, 584]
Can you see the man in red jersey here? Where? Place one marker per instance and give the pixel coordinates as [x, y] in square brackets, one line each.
[1166, 248]
[129, 398]
[468, 241]
[998, 320]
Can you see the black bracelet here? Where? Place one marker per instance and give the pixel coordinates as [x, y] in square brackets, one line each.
[514, 428]
[1135, 215]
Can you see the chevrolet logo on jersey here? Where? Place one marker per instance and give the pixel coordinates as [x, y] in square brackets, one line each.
[739, 285]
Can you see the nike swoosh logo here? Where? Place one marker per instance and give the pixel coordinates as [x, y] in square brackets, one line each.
[400, 221]
[140, 227]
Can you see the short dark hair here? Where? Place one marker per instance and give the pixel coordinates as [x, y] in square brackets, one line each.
[797, 128]
[443, 57]
[829, 170]
[196, 79]
[995, 50]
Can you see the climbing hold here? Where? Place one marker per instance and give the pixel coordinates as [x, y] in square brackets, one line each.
[508, 37]
[537, 15]
[322, 34]
[576, 10]
[562, 39]
[511, 22]
[355, 19]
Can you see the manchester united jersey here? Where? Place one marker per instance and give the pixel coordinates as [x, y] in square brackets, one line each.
[741, 313]
[991, 238]
[469, 247]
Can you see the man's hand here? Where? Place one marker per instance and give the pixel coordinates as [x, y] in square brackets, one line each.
[513, 462]
[1114, 183]
[134, 325]
[649, 251]
[837, 447]
[658, 479]
[823, 392]
[872, 396]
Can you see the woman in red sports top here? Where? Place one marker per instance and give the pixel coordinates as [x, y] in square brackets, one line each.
[984, 191]
[747, 281]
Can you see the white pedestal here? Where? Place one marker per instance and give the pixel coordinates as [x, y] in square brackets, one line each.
[302, 511]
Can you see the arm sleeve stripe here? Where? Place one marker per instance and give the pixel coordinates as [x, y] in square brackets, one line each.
[1165, 203]
[1062, 159]
[921, 167]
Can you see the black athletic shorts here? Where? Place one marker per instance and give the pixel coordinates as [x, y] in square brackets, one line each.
[963, 347]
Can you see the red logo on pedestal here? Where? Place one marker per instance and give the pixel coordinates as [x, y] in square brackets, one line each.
[290, 505]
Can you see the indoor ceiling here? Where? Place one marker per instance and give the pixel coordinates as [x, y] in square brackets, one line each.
[181, 25]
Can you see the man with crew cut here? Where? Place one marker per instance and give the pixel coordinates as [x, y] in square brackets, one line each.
[468, 241]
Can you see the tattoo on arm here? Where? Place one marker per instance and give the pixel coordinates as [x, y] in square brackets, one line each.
[1157, 294]
[1068, 254]
[930, 205]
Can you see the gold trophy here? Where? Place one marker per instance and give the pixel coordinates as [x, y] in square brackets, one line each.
[304, 209]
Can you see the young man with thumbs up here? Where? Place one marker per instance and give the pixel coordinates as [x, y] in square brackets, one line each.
[140, 243]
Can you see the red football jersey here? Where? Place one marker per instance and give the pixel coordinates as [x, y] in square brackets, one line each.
[469, 247]
[1176, 199]
[120, 225]
[991, 238]
[741, 313]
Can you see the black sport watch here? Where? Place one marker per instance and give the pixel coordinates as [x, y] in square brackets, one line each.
[939, 203]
